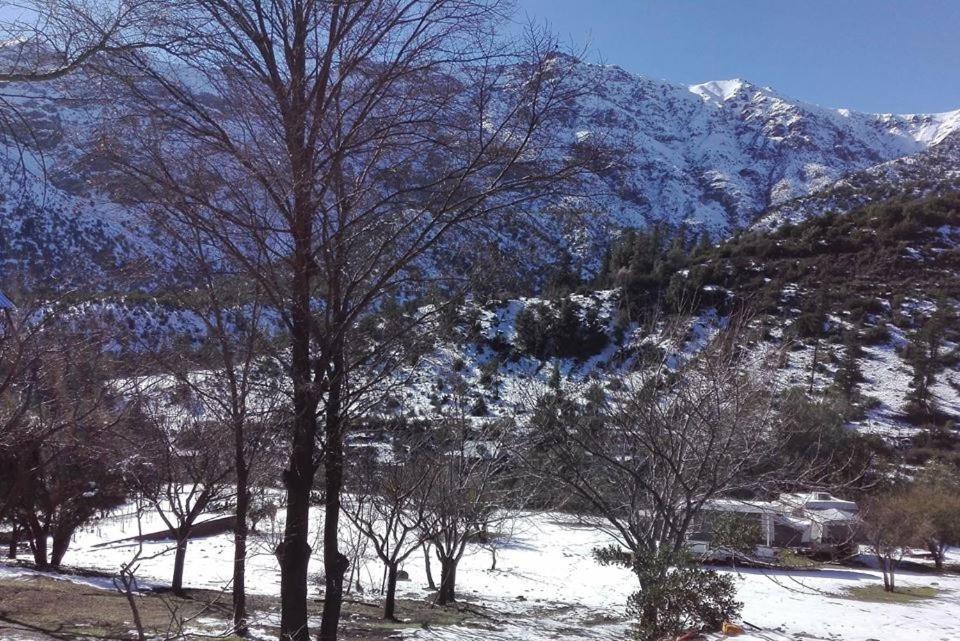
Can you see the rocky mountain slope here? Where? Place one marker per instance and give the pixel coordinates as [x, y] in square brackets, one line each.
[727, 157]
[874, 277]
[933, 171]
[718, 153]
[711, 156]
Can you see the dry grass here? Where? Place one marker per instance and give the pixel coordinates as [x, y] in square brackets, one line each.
[41, 607]
[876, 594]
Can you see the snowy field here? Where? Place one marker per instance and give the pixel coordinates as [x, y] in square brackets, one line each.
[547, 586]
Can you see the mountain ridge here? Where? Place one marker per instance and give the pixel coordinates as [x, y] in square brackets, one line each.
[712, 157]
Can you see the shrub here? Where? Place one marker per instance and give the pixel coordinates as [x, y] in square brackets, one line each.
[675, 593]
[479, 407]
[877, 335]
[568, 331]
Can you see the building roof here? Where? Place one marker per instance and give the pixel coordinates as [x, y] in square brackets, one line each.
[6, 303]
[817, 501]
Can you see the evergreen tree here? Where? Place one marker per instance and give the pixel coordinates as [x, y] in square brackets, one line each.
[556, 380]
[849, 374]
[566, 332]
[532, 330]
[479, 407]
[704, 244]
[923, 354]
[564, 279]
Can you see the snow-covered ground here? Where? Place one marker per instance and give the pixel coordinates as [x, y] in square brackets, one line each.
[547, 586]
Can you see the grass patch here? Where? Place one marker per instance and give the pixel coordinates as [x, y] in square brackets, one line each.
[789, 559]
[876, 594]
[68, 610]
[65, 610]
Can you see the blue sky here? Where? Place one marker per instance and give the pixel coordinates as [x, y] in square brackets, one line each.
[871, 55]
[899, 56]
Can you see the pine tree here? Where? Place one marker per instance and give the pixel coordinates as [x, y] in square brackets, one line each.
[849, 374]
[923, 354]
[556, 379]
[566, 332]
[565, 278]
[703, 244]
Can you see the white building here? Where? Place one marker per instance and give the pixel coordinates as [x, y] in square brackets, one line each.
[813, 520]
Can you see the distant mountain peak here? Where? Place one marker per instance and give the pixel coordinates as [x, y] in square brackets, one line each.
[720, 91]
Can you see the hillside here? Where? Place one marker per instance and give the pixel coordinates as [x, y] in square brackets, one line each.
[930, 172]
[705, 158]
[877, 275]
[874, 278]
[712, 157]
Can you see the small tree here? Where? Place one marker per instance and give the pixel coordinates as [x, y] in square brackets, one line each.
[60, 466]
[650, 458]
[892, 525]
[72, 478]
[923, 355]
[936, 496]
[849, 375]
[390, 507]
[467, 495]
[185, 469]
[681, 594]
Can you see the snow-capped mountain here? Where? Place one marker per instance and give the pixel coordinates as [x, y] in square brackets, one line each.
[713, 156]
[935, 170]
[718, 153]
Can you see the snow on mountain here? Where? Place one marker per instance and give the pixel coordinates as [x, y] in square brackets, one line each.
[936, 170]
[718, 153]
[56, 225]
[713, 156]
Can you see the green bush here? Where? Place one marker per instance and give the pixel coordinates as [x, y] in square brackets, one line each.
[676, 594]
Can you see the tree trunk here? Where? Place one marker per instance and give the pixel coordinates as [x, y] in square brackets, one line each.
[14, 542]
[335, 564]
[61, 541]
[448, 581]
[179, 559]
[426, 561]
[887, 578]
[813, 364]
[937, 552]
[650, 613]
[389, 603]
[293, 553]
[127, 579]
[240, 540]
[38, 543]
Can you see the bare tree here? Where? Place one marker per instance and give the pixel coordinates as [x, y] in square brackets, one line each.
[184, 471]
[936, 495]
[471, 492]
[59, 466]
[646, 460]
[650, 459]
[48, 39]
[344, 141]
[22, 351]
[389, 505]
[891, 526]
[17, 351]
[230, 375]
